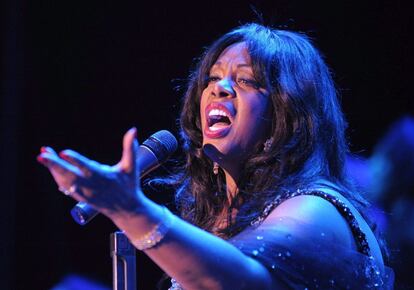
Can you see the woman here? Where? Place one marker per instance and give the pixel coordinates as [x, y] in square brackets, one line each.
[263, 198]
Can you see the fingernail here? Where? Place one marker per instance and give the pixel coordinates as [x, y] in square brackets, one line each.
[63, 155]
[41, 159]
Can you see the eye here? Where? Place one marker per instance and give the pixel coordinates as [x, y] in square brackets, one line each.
[249, 82]
[212, 79]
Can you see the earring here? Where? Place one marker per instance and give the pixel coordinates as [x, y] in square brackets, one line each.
[215, 168]
[268, 144]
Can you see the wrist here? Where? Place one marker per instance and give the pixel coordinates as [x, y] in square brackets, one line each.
[139, 221]
[155, 235]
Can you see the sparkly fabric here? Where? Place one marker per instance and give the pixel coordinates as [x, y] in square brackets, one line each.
[312, 260]
[360, 238]
[175, 285]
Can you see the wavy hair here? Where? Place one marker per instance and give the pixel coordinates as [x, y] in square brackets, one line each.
[307, 127]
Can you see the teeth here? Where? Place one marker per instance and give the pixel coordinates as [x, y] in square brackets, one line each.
[217, 112]
[213, 128]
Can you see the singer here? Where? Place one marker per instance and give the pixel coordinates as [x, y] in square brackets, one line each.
[263, 199]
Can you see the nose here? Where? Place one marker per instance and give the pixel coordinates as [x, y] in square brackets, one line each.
[223, 88]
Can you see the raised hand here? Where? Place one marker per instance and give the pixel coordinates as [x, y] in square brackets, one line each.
[112, 190]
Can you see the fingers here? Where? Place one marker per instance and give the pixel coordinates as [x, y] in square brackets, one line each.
[84, 164]
[129, 151]
[87, 180]
[45, 149]
[53, 162]
[64, 173]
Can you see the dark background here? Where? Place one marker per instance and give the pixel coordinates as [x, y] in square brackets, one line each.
[78, 74]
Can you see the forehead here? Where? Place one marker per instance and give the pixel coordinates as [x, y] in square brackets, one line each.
[234, 54]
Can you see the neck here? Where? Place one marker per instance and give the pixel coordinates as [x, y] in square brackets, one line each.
[231, 185]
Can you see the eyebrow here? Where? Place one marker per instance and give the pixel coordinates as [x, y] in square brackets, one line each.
[238, 66]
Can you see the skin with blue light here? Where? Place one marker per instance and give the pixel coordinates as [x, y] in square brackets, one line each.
[192, 256]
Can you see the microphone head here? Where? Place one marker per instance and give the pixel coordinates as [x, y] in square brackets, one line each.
[162, 143]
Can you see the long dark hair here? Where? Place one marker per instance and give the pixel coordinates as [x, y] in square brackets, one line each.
[307, 128]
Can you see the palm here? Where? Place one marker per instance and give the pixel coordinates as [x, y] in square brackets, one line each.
[107, 188]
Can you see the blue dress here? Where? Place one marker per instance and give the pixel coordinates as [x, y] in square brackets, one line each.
[314, 263]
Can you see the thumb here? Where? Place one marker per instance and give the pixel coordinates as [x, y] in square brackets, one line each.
[129, 151]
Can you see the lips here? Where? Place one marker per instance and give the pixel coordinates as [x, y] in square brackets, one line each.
[219, 118]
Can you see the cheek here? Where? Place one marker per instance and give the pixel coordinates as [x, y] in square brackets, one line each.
[259, 111]
[202, 108]
[260, 114]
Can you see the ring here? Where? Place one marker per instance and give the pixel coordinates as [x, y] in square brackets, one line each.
[68, 191]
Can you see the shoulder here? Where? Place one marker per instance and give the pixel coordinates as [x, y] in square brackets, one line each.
[318, 214]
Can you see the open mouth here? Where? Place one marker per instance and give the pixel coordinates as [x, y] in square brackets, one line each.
[218, 119]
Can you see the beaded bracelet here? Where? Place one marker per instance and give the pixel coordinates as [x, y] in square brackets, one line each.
[154, 236]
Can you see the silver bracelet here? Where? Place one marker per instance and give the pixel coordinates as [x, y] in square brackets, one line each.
[154, 236]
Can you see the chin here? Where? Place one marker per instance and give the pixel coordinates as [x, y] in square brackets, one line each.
[220, 151]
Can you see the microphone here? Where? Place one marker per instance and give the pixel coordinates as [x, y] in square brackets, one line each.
[151, 154]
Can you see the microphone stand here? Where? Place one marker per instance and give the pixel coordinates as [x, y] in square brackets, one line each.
[123, 262]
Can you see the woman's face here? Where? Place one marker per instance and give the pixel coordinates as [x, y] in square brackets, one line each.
[235, 111]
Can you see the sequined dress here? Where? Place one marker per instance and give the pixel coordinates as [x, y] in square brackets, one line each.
[315, 263]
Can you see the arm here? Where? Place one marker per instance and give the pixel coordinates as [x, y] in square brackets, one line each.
[195, 258]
